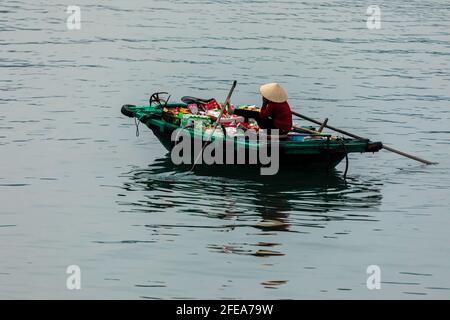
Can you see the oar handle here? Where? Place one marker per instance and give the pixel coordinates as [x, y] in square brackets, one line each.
[227, 101]
[324, 123]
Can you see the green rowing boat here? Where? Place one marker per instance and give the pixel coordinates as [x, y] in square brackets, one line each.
[303, 150]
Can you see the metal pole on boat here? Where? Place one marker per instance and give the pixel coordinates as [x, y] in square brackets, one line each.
[361, 138]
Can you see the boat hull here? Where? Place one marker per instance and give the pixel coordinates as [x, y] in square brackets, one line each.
[325, 159]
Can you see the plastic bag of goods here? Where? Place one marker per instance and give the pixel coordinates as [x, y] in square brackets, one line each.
[234, 132]
[195, 121]
[231, 121]
[216, 133]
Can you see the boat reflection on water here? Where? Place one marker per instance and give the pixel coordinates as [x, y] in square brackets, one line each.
[291, 201]
[238, 212]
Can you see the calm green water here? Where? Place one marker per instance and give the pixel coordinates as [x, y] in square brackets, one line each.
[78, 188]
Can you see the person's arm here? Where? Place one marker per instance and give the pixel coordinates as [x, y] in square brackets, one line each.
[266, 110]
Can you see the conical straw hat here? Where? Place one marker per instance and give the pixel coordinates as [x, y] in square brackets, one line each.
[273, 92]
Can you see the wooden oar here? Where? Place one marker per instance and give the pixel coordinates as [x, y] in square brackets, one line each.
[225, 105]
[361, 138]
[300, 129]
[324, 123]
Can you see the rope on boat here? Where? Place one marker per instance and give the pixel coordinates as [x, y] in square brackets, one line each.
[137, 122]
[346, 158]
[346, 165]
[328, 154]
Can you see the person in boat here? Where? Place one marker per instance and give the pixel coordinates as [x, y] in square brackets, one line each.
[275, 112]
